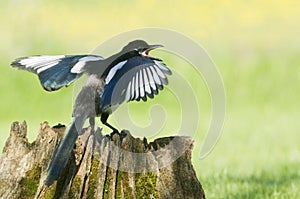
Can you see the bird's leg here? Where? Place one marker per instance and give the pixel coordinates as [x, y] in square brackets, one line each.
[111, 127]
[104, 117]
[92, 124]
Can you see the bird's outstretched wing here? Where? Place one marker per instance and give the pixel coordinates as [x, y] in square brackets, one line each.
[55, 72]
[134, 79]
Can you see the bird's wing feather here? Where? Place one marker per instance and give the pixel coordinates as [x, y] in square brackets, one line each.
[55, 72]
[134, 79]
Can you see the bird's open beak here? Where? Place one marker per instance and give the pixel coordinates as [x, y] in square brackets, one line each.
[152, 47]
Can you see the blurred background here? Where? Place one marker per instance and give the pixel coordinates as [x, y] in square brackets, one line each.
[256, 46]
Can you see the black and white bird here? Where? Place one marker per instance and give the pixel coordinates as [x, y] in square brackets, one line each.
[132, 74]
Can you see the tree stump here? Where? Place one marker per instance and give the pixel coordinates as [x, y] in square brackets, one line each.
[114, 166]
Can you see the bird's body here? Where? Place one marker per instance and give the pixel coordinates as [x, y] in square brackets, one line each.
[131, 74]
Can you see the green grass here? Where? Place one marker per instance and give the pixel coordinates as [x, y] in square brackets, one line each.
[253, 44]
[280, 182]
[253, 161]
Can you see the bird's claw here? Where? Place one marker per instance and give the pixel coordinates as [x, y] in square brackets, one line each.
[115, 131]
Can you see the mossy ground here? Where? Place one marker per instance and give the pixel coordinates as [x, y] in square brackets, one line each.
[93, 178]
[50, 192]
[30, 182]
[146, 185]
[75, 187]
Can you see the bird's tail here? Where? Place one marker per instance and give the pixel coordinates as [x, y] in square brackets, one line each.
[63, 151]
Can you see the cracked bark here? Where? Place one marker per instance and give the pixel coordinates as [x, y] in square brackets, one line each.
[114, 166]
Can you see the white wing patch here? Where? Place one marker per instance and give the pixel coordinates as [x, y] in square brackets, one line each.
[147, 84]
[45, 66]
[132, 89]
[137, 85]
[127, 97]
[146, 81]
[151, 80]
[77, 68]
[141, 82]
[163, 67]
[40, 63]
[113, 71]
[142, 91]
[161, 74]
[37, 60]
[155, 76]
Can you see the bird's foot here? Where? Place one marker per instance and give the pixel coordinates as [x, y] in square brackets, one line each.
[123, 134]
[115, 131]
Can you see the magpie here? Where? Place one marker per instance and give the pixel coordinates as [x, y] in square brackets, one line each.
[131, 74]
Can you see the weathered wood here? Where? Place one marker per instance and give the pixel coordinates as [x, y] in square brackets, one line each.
[115, 166]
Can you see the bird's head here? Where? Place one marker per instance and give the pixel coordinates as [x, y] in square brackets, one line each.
[141, 48]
